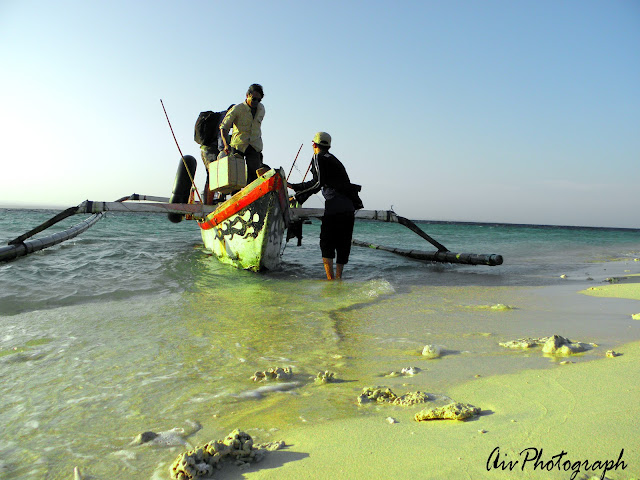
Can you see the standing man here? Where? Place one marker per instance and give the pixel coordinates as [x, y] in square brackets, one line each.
[341, 202]
[246, 120]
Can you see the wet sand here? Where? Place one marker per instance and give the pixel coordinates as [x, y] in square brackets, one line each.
[587, 410]
[560, 417]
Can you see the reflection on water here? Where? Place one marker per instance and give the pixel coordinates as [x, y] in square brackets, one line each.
[80, 382]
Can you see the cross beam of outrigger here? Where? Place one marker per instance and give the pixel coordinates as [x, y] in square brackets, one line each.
[442, 255]
[25, 244]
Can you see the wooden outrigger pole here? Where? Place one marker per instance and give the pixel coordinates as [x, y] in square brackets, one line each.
[21, 246]
[442, 255]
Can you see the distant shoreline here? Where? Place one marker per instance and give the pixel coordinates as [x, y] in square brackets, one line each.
[428, 222]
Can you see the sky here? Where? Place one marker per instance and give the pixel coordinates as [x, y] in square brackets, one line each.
[483, 111]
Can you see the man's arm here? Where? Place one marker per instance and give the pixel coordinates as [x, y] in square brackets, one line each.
[223, 136]
[306, 189]
[225, 126]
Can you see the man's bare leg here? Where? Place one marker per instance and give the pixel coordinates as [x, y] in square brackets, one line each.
[339, 267]
[328, 267]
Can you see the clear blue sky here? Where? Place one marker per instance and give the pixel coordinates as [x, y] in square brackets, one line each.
[505, 111]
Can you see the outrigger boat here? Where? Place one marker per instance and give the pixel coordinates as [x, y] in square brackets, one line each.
[245, 231]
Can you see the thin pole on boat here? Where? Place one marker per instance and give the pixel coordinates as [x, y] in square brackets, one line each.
[294, 161]
[181, 156]
[308, 168]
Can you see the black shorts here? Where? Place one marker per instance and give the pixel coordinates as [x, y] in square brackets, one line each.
[335, 236]
[254, 162]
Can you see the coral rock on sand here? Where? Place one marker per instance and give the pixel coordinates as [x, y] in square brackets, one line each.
[325, 377]
[555, 345]
[405, 372]
[558, 345]
[385, 395]
[410, 371]
[453, 411]
[379, 395]
[432, 351]
[524, 342]
[274, 373]
[200, 462]
[271, 446]
[501, 306]
[612, 354]
[411, 398]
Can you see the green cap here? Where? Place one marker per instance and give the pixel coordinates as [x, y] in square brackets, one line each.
[322, 138]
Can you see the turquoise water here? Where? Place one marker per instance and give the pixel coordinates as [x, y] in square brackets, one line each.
[126, 255]
[133, 327]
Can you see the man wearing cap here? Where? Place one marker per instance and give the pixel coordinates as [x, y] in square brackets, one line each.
[246, 120]
[341, 202]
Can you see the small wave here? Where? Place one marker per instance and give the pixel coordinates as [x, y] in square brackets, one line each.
[261, 391]
[379, 287]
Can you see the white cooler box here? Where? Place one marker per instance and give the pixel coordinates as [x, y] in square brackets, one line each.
[227, 174]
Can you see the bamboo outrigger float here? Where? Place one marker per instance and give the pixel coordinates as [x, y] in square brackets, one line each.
[444, 257]
[245, 231]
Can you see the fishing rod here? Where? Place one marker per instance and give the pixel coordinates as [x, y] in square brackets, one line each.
[308, 168]
[294, 161]
[193, 183]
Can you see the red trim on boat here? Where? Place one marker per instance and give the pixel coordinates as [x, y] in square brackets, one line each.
[218, 216]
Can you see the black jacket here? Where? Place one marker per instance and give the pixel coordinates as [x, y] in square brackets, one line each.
[330, 176]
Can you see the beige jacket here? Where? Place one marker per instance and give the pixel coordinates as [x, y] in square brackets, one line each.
[246, 128]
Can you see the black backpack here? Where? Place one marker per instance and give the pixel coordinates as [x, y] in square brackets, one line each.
[207, 128]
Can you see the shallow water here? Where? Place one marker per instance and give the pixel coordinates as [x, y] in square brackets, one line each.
[133, 327]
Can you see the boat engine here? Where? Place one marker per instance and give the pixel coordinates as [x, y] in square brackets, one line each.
[182, 185]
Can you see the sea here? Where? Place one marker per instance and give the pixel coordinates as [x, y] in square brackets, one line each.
[133, 327]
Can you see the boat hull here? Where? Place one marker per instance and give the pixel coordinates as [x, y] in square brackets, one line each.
[247, 230]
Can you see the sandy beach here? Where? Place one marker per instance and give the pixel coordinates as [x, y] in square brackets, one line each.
[569, 418]
[586, 410]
